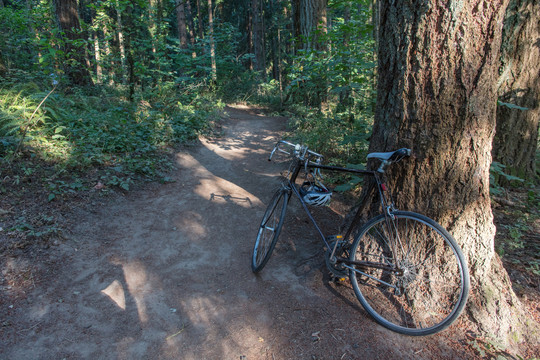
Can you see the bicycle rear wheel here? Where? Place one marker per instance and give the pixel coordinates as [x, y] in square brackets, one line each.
[423, 283]
[269, 230]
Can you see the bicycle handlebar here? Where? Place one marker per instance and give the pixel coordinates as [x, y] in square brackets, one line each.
[300, 151]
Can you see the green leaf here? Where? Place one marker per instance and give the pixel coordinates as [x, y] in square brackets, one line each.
[59, 129]
[51, 197]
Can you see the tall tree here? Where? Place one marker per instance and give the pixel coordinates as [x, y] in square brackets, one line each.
[181, 23]
[67, 16]
[212, 43]
[191, 27]
[257, 35]
[120, 7]
[309, 21]
[438, 65]
[199, 20]
[518, 112]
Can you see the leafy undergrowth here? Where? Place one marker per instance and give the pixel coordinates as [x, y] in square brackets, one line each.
[81, 145]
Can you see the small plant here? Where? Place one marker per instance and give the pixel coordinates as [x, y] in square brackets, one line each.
[496, 173]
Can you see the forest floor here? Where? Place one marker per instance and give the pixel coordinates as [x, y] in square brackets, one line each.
[163, 271]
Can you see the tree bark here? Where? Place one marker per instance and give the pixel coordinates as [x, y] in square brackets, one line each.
[97, 56]
[191, 24]
[257, 35]
[200, 20]
[121, 41]
[310, 21]
[181, 23]
[516, 137]
[109, 63]
[438, 65]
[3, 68]
[212, 44]
[67, 16]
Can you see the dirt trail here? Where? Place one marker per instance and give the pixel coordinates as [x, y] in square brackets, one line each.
[164, 273]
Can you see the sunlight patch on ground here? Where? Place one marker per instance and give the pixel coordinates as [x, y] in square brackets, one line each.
[244, 337]
[189, 222]
[232, 150]
[211, 185]
[138, 286]
[115, 291]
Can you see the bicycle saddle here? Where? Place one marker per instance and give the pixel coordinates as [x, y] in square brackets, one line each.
[390, 156]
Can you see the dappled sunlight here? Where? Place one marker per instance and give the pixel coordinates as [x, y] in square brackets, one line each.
[115, 291]
[138, 286]
[211, 185]
[227, 192]
[191, 224]
[229, 329]
[241, 151]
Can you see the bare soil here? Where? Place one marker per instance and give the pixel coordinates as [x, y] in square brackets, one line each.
[164, 273]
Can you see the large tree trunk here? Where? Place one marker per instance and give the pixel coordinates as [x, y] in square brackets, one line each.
[438, 65]
[67, 16]
[516, 137]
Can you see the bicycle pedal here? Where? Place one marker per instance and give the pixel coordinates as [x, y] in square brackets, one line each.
[336, 279]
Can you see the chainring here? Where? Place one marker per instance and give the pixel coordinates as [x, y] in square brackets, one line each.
[337, 269]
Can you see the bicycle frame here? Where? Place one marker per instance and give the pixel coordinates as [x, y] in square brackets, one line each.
[302, 162]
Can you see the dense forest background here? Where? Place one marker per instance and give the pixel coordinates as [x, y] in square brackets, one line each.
[133, 76]
[102, 91]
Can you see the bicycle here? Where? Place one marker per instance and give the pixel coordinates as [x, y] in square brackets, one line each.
[406, 270]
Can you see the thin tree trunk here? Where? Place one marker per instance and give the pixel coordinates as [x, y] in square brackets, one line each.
[250, 37]
[212, 44]
[191, 24]
[3, 68]
[152, 24]
[436, 94]
[97, 56]
[132, 79]
[276, 45]
[257, 35]
[110, 65]
[200, 20]
[516, 137]
[181, 23]
[121, 41]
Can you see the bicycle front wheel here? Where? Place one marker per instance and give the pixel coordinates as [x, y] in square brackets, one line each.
[269, 230]
[409, 273]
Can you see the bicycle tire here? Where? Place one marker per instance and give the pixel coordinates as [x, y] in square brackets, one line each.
[267, 236]
[429, 286]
